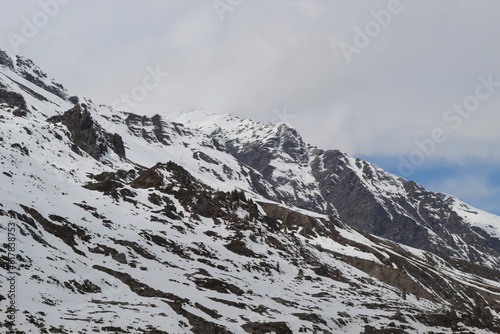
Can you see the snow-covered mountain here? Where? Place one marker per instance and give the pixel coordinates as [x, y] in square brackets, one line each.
[356, 191]
[201, 223]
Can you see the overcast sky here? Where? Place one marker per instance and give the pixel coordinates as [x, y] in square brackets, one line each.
[411, 85]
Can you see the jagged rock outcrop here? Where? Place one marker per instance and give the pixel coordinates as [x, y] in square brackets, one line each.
[6, 60]
[138, 124]
[14, 100]
[87, 135]
[29, 71]
[360, 193]
[281, 146]
[394, 208]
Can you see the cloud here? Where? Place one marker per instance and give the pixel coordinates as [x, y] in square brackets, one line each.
[476, 189]
[265, 55]
[466, 187]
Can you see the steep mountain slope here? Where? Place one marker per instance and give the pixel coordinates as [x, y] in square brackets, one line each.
[362, 194]
[275, 150]
[135, 224]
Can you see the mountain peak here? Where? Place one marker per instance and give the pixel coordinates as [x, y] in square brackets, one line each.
[6, 60]
[29, 71]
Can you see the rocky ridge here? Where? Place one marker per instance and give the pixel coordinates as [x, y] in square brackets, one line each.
[358, 192]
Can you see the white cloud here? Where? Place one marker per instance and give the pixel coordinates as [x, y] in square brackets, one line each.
[466, 187]
[269, 54]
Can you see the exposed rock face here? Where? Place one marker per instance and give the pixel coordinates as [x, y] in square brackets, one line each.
[29, 71]
[410, 214]
[267, 327]
[150, 178]
[87, 135]
[138, 124]
[13, 100]
[6, 60]
[284, 146]
[158, 130]
[356, 204]
[360, 193]
[116, 143]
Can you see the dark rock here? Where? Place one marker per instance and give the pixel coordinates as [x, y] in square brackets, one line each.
[372, 330]
[109, 251]
[13, 100]
[114, 329]
[137, 125]
[202, 156]
[26, 68]
[170, 245]
[67, 231]
[21, 148]
[5, 60]
[199, 325]
[158, 130]
[85, 287]
[116, 142]
[230, 303]
[311, 317]
[74, 100]
[279, 327]
[213, 313]
[288, 145]
[88, 135]
[239, 247]
[397, 218]
[218, 285]
[138, 287]
[149, 178]
[112, 183]
[136, 248]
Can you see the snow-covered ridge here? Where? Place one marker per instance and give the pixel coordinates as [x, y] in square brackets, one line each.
[29, 71]
[40, 102]
[475, 217]
[334, 183]
[237, 128]
[275, 149]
